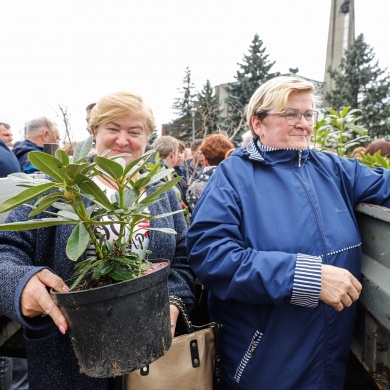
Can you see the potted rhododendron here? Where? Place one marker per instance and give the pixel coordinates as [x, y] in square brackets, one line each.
[118, 305]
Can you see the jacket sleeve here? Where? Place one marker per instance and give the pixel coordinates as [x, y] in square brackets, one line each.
[220, 256]
[372, 185]
[16, 265]
[173, 247]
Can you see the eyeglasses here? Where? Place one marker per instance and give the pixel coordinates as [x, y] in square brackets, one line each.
[293, 116]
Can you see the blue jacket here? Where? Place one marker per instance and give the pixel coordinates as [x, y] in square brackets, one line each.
[8, 162]
[52, 363]
[21, 151]
[263, 226]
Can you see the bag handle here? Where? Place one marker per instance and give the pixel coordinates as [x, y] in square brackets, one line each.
[178, 302]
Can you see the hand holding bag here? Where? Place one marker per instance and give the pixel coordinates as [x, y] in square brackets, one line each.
[191, 363]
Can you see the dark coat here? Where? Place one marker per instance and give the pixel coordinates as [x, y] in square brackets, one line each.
[8, 162]
[52, 362]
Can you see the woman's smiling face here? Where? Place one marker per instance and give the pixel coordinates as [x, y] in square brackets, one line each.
[126, 134]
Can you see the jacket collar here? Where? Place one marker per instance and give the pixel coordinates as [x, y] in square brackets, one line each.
[258, 152]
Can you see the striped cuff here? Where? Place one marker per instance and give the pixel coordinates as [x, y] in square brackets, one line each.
[307, 281]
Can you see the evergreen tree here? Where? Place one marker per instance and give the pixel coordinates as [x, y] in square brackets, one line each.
[361, 84]
[181, 127]
[255, 70]
[208, 113]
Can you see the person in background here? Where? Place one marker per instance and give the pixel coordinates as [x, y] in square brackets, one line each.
[274, 238]
[13, 371]
[214, 148]
[8, 162]
[68, 147]
[187, 154]
[180, 171]
[88, 110]
[33, 262]
[356, 152]
[39, 131]
[6, 134]
[168, 148]
[194, 166]
[378, 145]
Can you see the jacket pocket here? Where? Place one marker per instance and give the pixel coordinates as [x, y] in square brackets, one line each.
[248, 355]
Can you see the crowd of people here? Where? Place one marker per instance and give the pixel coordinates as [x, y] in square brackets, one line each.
[270, 233]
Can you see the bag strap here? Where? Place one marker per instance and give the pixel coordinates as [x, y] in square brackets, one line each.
[217, 379]
[178, 302]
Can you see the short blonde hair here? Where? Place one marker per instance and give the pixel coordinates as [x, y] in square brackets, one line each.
[272, 96]
[119, 104]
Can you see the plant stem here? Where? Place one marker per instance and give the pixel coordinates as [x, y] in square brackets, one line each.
[82, 214]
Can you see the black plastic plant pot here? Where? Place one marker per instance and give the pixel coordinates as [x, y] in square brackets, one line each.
[119, 328]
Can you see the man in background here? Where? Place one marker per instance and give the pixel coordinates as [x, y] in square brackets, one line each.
[13, 371]
[6, 134]
[8, 162]
[168, 148]
[88, 109]
[39, 131]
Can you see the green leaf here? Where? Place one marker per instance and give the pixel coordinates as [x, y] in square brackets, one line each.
[69, 215]
[357, 129]
[146, 178]
[77, 242]
[129, 197]
[72, 170]
[35, 224]
[344, 112]
[103, 268]
[119, 274]
[112, 168]
[162, 189]
[25, 196]
[62, 156]
[163, 230]
[91, 188]
[134, 165]
[335, 113]
[82, 149]
[48, 164]
[20, 177]
[45, 202]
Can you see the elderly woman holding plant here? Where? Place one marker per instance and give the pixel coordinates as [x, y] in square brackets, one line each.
[34, 261]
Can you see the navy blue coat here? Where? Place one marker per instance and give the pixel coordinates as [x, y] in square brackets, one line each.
[263, 226]
[21, 151]
[8, 162]
[52, 363]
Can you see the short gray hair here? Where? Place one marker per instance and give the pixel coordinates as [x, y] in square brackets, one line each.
[166, 144]
[34, 125]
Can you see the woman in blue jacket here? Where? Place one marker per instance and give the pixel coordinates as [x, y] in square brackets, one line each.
[275, 240]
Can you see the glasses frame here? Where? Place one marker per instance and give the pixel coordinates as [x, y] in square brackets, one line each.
[296, 121]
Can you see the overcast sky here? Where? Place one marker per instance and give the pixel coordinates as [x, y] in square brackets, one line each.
[72, 52]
